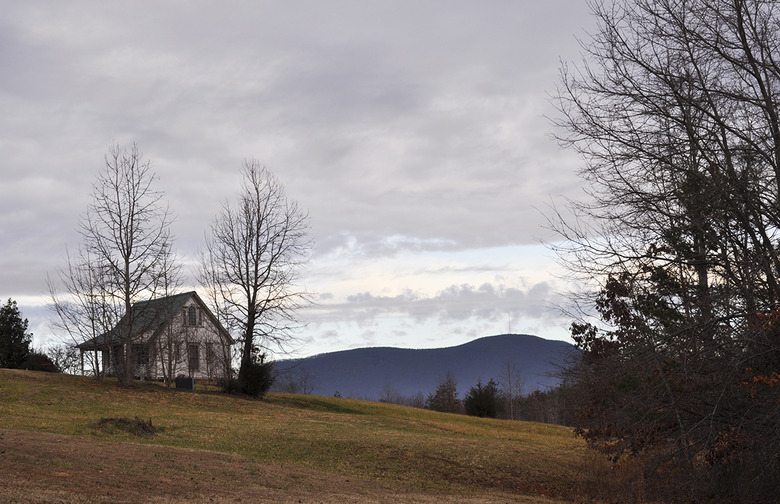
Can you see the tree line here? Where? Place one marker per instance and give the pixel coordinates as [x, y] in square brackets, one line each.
[504, 398]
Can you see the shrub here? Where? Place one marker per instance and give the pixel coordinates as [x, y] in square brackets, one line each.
[255, 378]
[229, 385]
[38, 361]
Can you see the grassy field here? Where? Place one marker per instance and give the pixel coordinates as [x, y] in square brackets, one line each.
[287, 448]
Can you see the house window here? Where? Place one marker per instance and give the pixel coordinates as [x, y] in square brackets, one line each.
[193, 355]
[193, 316]
[200, 318]
[184, 316]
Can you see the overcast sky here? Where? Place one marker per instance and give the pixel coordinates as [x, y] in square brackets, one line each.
[413, 132]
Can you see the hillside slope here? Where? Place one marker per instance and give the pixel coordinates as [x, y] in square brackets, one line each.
[365, 372]
[209, 447]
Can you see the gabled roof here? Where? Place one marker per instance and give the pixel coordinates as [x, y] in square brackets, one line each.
[148, 316]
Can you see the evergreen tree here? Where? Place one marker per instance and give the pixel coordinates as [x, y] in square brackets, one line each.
[482, 400]
[445, 398]
[14, 338]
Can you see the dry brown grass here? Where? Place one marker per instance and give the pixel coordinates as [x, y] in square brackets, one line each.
[601, 480]
[215, 448]
[52, 468]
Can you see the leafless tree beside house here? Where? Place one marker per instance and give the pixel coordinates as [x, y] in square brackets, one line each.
[125, 244]
[168, 343]
[251, 262]
[83, 307]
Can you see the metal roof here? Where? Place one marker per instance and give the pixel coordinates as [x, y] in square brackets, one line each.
[147, 317]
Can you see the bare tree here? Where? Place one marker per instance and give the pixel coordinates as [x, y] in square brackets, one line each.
[390, 394]
[251, 263]
[295, 380]
[87, 309]
[511, 382]
[675, 113]
[125, 241]
[65, 357]
[168, 343]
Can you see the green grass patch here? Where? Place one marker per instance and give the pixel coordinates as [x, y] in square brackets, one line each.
[423, 449]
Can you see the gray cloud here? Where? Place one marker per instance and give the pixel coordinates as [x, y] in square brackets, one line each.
[454, 315]
[455, 303]
[403, 127]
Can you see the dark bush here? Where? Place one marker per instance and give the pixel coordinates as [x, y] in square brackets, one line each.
[255, 378]
[229, 385]
[14, 339]
[37, 361]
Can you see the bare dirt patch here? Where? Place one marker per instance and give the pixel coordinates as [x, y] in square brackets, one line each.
[38, 467]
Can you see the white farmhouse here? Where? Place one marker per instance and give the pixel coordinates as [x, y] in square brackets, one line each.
[169, 337]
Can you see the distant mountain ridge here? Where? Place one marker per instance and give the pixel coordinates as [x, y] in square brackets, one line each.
[365, 372]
